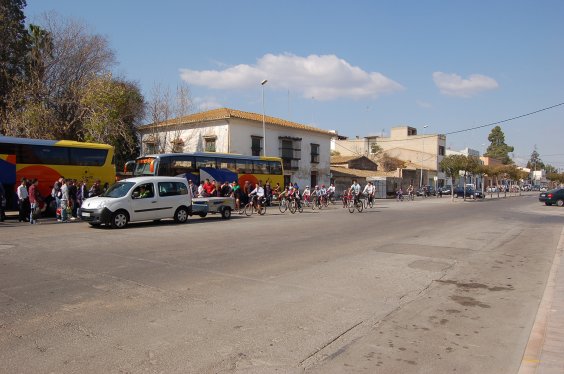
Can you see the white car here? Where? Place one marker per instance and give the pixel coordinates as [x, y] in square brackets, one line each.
[139, 199]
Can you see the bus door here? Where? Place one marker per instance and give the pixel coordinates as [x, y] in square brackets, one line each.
[8, 179]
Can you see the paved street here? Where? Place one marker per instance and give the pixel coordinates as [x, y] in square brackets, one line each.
[428, 286]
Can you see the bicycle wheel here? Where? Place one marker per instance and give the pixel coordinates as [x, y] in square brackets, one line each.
[249, 208]
[261, 210]
[350, 205]
[360, 206]
[325, 202]
[301, 208]
[292, 207]
[283, 205]
[371, 203]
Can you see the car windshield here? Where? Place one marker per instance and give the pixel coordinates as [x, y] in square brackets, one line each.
[120, 189]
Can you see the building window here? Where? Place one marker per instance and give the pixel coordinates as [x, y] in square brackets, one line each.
[150, 148]
[441, 150]
[210, 143]
[256, 145]
[314, 153]
[177, 146]
[290, 152]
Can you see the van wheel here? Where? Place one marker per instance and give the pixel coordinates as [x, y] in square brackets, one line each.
[181, 215]
[119, 219]
[226, 213]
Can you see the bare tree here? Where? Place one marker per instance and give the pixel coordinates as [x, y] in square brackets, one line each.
[166, 115]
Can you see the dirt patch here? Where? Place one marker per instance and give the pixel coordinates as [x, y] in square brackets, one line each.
[468, 301]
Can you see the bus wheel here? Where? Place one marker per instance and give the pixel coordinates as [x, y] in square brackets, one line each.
[181, 215]
[119, 219]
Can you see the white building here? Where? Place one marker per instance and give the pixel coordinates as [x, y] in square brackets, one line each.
[305, 150]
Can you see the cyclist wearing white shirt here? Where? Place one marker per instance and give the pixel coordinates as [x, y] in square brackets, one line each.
[355, 190]
[369, 191]
[259, 193]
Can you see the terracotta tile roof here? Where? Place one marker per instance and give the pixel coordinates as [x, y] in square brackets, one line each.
[226, 113]
[362, 173]
[343, 159]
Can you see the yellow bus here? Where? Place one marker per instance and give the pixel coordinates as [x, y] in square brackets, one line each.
[47, 160]
[220, 167]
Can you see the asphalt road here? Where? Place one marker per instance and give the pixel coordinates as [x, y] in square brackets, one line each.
[413, 287]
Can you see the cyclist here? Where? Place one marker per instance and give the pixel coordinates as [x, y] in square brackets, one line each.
[316, 195]
[257, 195]
[399, 193]
[369, 191]
[410, 192]
[307, 194]
[355, 191]
[323, 193]
[331, 191]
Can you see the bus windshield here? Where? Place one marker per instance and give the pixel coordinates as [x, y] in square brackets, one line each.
[144, 166]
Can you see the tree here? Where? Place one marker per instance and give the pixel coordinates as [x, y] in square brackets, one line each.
[389, 163]
[63, 58]
[535, 163]
[497, 148]
[167, 109]
[112, 110]
[549, 169]
[14, 46]
[451, 166]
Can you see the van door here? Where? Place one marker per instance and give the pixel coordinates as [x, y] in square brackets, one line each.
[171, 196]
[144, 203]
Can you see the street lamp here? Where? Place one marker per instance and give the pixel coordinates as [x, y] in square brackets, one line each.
[423, 150]
[264, 81]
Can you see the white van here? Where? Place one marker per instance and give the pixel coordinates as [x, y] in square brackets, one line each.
[139, 199]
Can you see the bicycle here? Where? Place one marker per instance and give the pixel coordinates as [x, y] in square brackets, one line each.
[283, 204]
[293, 206]
[355, 203]
[253, 207]
[399, 196]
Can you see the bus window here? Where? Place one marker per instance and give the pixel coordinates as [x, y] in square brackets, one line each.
[205, 162]
[260, 167]
[227, 163]
[38, 154]
[275, 167]
[144, 166]
[88, 157]
[244, 167]
[182, 164]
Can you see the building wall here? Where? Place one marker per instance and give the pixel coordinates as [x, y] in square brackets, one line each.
[234, 136]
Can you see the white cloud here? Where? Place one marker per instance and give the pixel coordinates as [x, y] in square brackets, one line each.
[455, 85]
[206, 103]
[324, 77]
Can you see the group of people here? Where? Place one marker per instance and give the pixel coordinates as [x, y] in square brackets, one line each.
[241, 194]
[68, 195]
[355, 191]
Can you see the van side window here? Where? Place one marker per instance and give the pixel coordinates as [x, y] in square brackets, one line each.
[144, 191]
[172, 188]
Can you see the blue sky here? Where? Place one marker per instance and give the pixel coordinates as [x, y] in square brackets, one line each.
[358, 67]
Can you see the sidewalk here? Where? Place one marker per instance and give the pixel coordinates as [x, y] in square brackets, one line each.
[544, 353]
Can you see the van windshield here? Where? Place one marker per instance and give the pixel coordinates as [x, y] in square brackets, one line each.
[120, 189]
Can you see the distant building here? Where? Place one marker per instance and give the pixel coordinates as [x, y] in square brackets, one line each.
[420, 153]
[305, 150]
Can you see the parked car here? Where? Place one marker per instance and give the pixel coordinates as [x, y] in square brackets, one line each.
[446, 190]
[555, 196]
[430, 191]
[491, 189]
[470, 193]
[139, 199]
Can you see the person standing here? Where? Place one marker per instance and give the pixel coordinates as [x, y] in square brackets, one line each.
[73, 191]
[23, 201]
[33, 201]
[64, 201]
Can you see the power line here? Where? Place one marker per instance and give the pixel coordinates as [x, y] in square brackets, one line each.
[505, 120]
